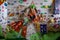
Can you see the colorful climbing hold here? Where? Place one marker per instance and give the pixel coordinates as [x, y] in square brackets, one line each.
[2, 10]
[21, 1]
[8, 21]
[2, 7]
[43, 6]
[46, 6]
[5, 4]
[49, 6]
[32, 6]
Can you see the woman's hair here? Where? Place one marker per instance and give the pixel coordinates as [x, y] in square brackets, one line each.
[36, 10]
[31, 10]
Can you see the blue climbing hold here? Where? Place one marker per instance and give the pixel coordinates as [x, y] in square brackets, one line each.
[15, 1]
[8, 21]
[5, 4]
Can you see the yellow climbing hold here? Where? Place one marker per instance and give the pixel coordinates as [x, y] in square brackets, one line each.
[46, 6]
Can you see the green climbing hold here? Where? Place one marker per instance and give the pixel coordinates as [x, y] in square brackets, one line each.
[21, 1]
[32, 6]
[43, 6]
[43, 12]
[49, 6]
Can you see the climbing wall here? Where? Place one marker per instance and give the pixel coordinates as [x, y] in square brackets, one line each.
[12, 7]
[3, 15]
[43, 5]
